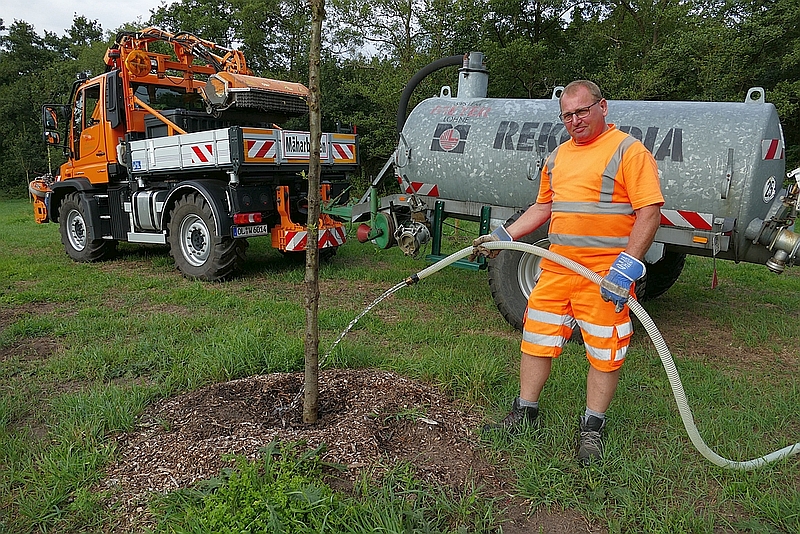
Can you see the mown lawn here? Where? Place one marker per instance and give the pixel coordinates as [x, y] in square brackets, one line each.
[86, 348]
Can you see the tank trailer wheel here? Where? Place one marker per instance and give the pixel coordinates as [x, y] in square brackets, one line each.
[662, 274]
[513, 275]
[197, 252]
[74, 229]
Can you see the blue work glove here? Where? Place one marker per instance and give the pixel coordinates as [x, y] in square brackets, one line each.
[500, 234]
[616, 286]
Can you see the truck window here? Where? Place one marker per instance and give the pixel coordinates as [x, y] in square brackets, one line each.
[93, 109]
[161, 98]
[77, 117]
[86, 112]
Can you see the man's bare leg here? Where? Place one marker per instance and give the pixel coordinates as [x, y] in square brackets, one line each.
[533, 373]
[600, 388]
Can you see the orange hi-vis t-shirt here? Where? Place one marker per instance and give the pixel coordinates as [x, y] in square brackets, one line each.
[594, 190]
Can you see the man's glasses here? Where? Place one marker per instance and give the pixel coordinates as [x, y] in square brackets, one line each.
[581, 113]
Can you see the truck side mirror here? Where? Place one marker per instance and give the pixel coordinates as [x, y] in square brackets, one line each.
[50, 116]
[52, 138]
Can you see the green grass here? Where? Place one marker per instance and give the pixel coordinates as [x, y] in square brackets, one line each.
[87, 347]
[283, 492]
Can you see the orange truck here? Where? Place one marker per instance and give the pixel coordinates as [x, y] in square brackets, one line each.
[177, 144]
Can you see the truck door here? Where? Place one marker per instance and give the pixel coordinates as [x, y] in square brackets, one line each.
[88, 135]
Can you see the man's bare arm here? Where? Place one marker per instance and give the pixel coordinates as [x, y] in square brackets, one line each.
[644, 230]
[530, 220]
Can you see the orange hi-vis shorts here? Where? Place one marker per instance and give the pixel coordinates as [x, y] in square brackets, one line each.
[558, 303]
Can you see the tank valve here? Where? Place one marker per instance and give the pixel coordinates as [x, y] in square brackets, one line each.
[774, 233]
[786, 246]
[784, 243]
[410, 238]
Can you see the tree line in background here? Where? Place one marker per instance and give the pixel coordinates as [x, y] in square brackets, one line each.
[707, 50]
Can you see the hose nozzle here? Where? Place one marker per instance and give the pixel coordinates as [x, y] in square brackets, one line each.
[411, 280]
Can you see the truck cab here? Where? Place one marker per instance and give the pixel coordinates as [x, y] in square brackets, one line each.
[90, 140]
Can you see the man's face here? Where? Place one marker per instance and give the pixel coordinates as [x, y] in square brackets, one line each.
[586, 129]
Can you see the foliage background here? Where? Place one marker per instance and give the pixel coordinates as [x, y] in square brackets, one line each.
[635, 49]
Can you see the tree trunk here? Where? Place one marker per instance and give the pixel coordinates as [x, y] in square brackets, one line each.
[311, 383]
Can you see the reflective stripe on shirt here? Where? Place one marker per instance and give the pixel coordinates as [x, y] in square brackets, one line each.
[549, 162]
[611, 170]
[586, 241]
[615, 208]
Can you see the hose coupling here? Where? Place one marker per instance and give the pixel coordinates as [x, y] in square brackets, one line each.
[776, 237]
[413, 279]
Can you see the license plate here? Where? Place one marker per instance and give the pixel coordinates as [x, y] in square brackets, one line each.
[250, 231]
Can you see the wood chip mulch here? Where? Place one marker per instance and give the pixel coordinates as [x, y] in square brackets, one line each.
[368, 420]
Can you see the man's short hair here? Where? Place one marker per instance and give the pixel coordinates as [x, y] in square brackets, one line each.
[590, 86]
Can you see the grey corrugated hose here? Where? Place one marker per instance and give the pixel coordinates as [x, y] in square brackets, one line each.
[652, 331]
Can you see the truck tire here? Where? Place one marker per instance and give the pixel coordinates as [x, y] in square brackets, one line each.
[197, 253]
[662, 274]
[74, 228]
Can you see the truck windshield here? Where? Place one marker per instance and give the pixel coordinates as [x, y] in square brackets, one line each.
[159, 97]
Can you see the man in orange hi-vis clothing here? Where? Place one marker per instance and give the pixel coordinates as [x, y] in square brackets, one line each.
[601, 192]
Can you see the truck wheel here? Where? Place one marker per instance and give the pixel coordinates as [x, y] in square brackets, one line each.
[662, 274]
[74, 228]
[197, 253]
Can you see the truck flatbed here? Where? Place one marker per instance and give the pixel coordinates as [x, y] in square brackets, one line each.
[234, 148]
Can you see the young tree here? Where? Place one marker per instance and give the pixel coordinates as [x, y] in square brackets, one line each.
[311, 382]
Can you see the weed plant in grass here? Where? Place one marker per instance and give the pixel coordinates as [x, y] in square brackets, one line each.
[284, 491]
[85, 348]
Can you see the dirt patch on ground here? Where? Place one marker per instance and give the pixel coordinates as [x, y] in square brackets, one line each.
[30, 349]
[709, 342]
[369, 421]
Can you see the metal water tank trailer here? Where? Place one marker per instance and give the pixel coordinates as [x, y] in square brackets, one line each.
[721, 163]
[467, 156]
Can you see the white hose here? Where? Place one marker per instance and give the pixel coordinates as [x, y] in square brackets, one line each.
[652, 331]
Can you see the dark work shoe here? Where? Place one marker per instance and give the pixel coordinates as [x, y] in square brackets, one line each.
[517, 420]
[590, 439]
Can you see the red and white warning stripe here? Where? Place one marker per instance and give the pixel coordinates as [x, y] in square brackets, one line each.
[202, 153]
[772, 149]
[420, 188]
[261, 149]
[295, 241]
[332, 237]
[329, 237]
[687, 219]
[344, 152]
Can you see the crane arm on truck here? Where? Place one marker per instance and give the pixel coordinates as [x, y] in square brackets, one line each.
[186, 46]
[230, 82]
